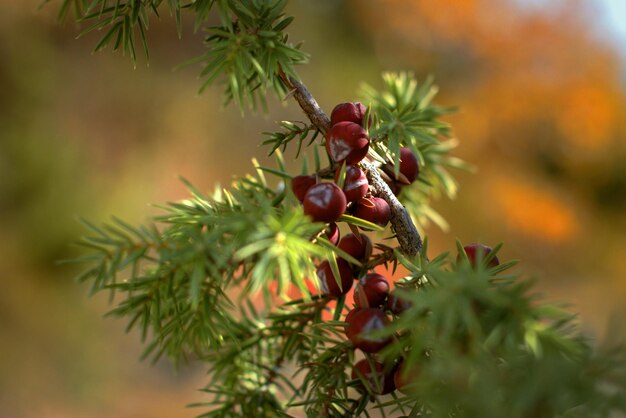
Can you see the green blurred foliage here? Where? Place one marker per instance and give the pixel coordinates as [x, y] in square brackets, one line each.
[88, 135]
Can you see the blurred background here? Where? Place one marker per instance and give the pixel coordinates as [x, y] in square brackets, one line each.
[541, 88]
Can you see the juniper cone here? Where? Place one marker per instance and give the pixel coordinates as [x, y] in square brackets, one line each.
[213, 277]
[332, 233]
[477, 251]
[364, 327]
[347, 141]
[330, 283]
[409, 166]
[355, 183]
[324, 202]
[301, 184]
[397, 304]
[374, 377]
[358, 247]
[373, 209]
[372, 291]
[349, 112]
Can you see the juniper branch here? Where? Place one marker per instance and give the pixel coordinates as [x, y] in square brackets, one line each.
[401, 223]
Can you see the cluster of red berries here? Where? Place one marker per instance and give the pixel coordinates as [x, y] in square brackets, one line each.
[347, 141]
[373, 303]
[409, 170]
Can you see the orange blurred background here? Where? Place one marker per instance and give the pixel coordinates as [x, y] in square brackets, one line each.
[542, 100]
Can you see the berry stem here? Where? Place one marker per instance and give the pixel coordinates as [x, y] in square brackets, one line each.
[401, 223]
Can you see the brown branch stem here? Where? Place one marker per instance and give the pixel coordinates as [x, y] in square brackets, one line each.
[401, 223]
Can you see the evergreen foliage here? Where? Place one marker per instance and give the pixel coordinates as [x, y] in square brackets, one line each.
[475, 340]
[247, 51]
[408, 118]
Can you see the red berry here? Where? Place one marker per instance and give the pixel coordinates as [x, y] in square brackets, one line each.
[409, 165]
[359, 249]
[348, 112]
[327, 278]
[362, 324]
[371, 291]
[324, 202]
[376, 381]
[373, 209]
[332, 233]
[396, 304]
[472, 254]
[351, 314]
[355, 185]
[384, 211]
[366, 209]
[405, 379]
[347, 141]
[301, 184]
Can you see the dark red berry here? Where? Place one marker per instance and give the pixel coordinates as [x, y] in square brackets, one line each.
[361, 249]
[472, 254]
[366, 209]
[355, 185]
[384, 211]
[409, 165]
[332, 233]
[351, 314]
[347, 141]
[371, 291]
[301, 184]
[362, 324]
[373, 209]
[374, 377]
[396, 304]
[348, 112]
[324, 202]
[405, 379]
[328, 283]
